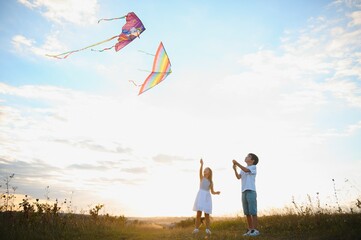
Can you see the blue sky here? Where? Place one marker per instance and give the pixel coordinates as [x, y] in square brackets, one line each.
[281, 79]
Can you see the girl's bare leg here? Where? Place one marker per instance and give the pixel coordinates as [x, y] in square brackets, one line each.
[198, 219]
[207, 220]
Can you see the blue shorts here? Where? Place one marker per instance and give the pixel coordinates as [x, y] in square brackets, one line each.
[249, 202]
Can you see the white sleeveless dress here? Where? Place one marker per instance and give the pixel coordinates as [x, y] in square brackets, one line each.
[203, 200]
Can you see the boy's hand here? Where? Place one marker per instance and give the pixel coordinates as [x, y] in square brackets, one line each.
[201, 161]
[234, 166]
[218, 192]
[234, 162]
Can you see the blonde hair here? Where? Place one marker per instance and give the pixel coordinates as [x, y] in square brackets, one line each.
[210, 175]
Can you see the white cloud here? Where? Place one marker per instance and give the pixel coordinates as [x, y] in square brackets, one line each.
[310, 65]
[50, 94]
[20, 40]
[349, 130]
[347, 3]
[89, 141]
[163, 158]
[72, 11]
[65, 11]
[353, 128]
[346, 90]
[28, 46]
[356, 19]
[52, 44]
[313, 70]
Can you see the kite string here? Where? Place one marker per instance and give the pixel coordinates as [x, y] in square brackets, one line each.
[143, 70]
[146, 53]
[137, 85]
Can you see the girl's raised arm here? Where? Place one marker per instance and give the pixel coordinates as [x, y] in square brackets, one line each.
[201, 170]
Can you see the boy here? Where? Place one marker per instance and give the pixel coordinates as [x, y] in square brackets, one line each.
[249, 194]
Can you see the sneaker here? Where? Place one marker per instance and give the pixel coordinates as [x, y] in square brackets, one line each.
[254, 233]
[248, 232]
[195, 231]
[208, 231]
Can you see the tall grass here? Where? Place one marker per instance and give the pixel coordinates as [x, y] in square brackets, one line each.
[33, 219]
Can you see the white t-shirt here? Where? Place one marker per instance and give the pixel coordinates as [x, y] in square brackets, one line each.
[249, 178]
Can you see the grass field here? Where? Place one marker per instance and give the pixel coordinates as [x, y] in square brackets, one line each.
[16, 225]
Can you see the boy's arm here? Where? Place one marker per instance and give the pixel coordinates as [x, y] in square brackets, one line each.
[238, 176]
[240, 166]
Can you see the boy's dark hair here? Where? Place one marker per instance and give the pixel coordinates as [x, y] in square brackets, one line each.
[254, 158]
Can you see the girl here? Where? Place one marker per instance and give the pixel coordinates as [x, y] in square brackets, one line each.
[203, 202]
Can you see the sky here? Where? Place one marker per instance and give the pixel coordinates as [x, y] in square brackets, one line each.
[281, 79]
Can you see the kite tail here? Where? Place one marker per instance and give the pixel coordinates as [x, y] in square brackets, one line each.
[110, 19]
[62, 55]
[104, 49]
[66, 54]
